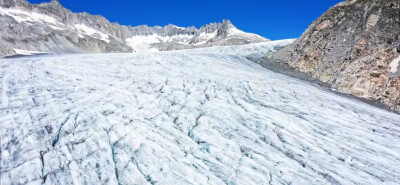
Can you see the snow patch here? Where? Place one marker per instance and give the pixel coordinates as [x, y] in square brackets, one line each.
[25, 16]
[27, 52]
[178, 27]
[239, 33]
[83, 29]
[55, 27]
[394, 65]
[143, 43]
[235, 31]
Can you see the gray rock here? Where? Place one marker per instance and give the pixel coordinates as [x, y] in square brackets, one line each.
[49, 27]
[353, 47]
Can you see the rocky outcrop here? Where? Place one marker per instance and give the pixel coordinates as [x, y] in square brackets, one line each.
[355, 48]
[49, 27]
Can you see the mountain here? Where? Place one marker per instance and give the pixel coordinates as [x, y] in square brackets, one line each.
[49, 27]
[188, 117]
[172, 37]
[355, 48]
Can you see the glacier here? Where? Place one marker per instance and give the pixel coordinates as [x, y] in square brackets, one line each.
[200, 116]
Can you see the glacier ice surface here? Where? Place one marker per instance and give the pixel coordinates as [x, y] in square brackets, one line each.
[202, 116]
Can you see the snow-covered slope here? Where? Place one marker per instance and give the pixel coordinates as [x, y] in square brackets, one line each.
[184, 117]
[260, 49]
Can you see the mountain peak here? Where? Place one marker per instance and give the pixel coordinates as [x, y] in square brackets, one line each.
[92, 33]
[226, 21]
[55, 2]
[227, 24]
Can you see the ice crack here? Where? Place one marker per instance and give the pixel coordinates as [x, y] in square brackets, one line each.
[59, 131]
[44, 177]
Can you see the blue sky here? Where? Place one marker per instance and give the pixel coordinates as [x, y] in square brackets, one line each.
[274, 19]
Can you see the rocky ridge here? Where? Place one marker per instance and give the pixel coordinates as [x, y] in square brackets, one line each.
[354, 47]
[50, 27]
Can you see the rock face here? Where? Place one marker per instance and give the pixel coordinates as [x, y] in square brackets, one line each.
[49, 27]
[354, 47]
